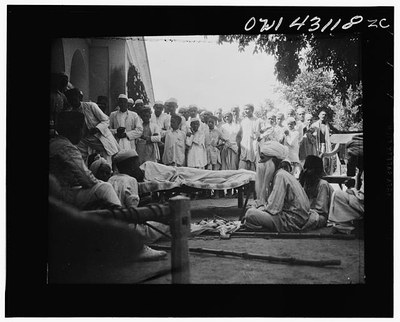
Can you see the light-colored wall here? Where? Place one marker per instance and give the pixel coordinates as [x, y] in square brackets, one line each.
[116, 72]
[71, 45]
[121, 53]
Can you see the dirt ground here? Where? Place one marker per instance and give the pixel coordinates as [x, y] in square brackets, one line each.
[212, 269]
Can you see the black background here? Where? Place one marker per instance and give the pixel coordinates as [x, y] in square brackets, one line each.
[29, 33]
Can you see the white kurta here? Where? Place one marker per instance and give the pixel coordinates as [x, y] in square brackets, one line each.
[229, 153]
[174, 148]
[133, 127]
[292, 142]
[249, 131]
[126, 188]
[163, 122]
[94, 117]
[197, 155]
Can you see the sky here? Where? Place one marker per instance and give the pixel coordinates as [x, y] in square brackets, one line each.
[196, 70]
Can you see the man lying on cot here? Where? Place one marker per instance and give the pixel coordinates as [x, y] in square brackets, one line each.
[282, 204]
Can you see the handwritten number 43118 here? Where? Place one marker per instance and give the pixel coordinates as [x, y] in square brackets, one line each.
[315, 23]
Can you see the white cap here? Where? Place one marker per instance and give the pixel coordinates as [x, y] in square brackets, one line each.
[122, 96]
[139, 101]
[130, 100]
[171, 100]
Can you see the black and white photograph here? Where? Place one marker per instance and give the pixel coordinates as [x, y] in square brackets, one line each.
[214, 148]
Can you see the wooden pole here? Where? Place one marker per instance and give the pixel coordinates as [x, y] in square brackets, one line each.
[270, 235]
[180, 230]
[151, 212]
[240, 197]
[277, 259]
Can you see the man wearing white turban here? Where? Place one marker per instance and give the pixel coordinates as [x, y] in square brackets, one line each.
[282, 204]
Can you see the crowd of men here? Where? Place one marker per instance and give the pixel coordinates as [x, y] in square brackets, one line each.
[283, 149]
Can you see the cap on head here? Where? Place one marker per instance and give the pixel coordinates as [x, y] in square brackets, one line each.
[122, 96]
[290, 120]
[138, 101]
[124, 155]
[130, 100]
[171, 101]
[194, 119]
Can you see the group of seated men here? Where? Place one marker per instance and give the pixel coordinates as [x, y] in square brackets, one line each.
[285, 204]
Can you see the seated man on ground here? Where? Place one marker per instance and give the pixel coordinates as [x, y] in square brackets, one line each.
[101, 169]
[348, 205]
[78, 186]
[319, 191]
[126, 187]
[287, 208]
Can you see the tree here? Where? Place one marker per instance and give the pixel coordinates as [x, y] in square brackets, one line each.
[311, 90]
[265, 108]
[337, 53]
[314, 90]
[348, 117]
[136, 89]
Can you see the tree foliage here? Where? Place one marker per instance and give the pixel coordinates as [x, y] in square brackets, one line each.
[136, 89]
[314, 90]
[348, 116]
[264, 109]
[337, 53]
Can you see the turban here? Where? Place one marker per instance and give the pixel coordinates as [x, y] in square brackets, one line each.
[95, 166]
[290, 120]
[355, 146]
[122, 96]
[227, 113]
[274, 149]
[124, 154]
[301, 109]
[192, 106]
[171, 100]
[194, 119]
[158, 103]
[139, 101]
[130, 100]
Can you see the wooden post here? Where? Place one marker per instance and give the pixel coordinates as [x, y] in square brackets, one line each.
[240, 197]
[180, 230]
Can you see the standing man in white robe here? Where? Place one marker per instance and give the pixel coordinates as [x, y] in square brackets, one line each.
[323, 140]
[125, 125]
[247, 139]
[97, 136]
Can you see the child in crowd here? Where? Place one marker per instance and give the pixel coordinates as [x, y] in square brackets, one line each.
[147, 144]
[174, 148]
[195, 140]
[214, 143]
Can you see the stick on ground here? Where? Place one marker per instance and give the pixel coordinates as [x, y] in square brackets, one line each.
[288, 260]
